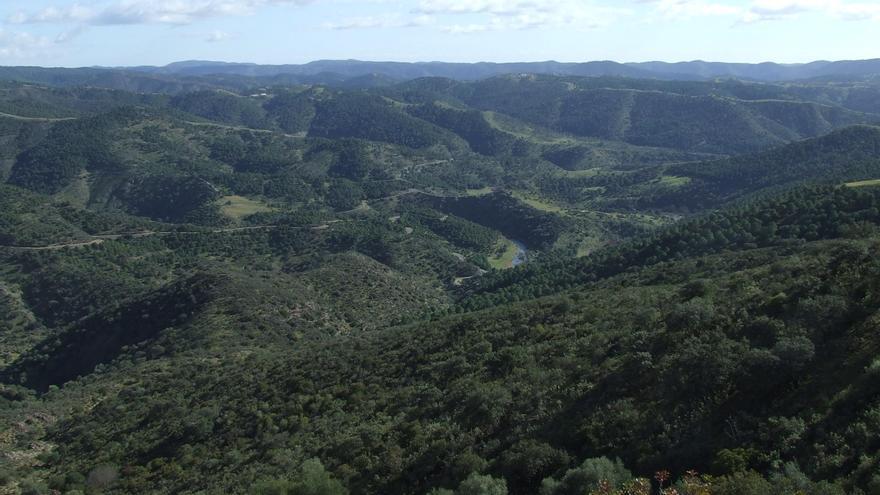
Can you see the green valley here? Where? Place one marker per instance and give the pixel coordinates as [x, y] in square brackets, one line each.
[517, 284]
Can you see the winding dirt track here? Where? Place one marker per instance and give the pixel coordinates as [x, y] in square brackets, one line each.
[35, 119]
[99, 239]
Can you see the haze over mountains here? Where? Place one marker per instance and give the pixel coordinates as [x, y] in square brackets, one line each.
[697, 70]
[189, 75]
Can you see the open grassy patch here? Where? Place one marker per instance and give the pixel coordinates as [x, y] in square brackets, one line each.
[520, 129]
[864, 183]
[479, 192]
[78, 192]
[590, 172]
[673, 181]
[504, 255]
[238, 207]
[537, 203]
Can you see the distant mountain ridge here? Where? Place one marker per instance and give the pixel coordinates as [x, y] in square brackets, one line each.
[188, 76]
[697, 70]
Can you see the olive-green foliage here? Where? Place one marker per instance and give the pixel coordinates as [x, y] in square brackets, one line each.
[632, 367]
[504, 213]
[313, 479]
[477, 484]
[365, 116]
[168, 198]
[470, 125]
[586, 477]
[222, 107]
[456, 230]
[293, 111]
[790, 481]
[726, 118]
[70, 148]
[102, 337]
[173, 358]
[850, 154]
[800, 215]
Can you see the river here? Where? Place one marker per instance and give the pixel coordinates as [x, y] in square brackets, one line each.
[522, 255]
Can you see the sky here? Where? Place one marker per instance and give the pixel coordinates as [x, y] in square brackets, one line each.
[82, 33]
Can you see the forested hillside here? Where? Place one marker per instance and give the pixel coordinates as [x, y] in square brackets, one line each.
[692, 116]
[526, 284]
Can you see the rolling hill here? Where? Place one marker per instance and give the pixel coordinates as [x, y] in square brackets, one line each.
[244, 286]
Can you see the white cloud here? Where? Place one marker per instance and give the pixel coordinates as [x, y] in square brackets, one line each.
[859, 12]
[450, 16]
[123, 12]
[677, 9]
[70, 34]
[128, 12]
[74, 13]
[764, 10]
[496, 7]
[16, 45]
[218, 36]
[507, 15]
[387, 21]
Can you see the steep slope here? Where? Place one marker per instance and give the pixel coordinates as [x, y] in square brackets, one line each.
[99, 339]
[222, 107]
[846, 155]
[353, 115]
[778, 220]
[473, 127]
[670, 119]
[29, 219]
[651, 367]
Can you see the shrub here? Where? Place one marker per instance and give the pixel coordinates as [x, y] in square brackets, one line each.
[477, 484]
[588, 476]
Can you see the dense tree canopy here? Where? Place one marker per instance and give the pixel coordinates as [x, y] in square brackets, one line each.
[265, 285]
